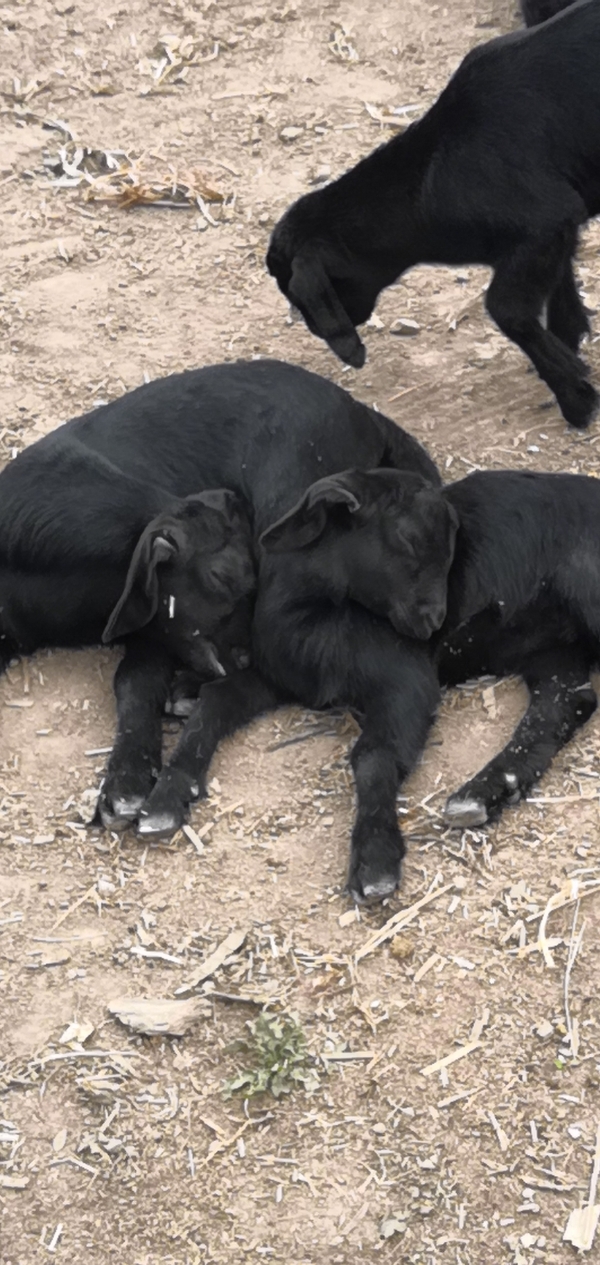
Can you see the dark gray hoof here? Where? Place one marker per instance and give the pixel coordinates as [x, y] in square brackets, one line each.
[158, 825]
[121, 814]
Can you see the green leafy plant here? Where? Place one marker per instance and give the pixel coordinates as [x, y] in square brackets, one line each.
[278, 1057]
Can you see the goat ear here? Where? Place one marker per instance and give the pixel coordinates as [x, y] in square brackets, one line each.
[306, 522]
[138, 602]
[223, 500]
[312, 292]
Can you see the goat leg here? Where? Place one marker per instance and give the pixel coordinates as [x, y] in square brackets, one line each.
[398, 707]
[567, 317]
[222, 708]
[523, 282]
[141, 687]
[561, 701]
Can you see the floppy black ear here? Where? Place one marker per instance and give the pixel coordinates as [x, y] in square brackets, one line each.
[138, 602]
[303, 524]
[227, 503]
[311, 290]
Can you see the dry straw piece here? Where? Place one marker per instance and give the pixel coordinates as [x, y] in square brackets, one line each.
[112, 175]
[229, 945]
[400, 920]
[583, 1222]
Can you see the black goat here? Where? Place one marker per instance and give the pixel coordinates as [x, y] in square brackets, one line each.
[73, 506]
[522, 577]
[345, 547]
[502, 170]
[536, 11]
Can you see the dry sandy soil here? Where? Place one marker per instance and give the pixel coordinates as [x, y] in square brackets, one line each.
[116, 1147]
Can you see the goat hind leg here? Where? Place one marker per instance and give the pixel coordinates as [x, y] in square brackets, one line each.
[567, 317]
[561, 701]
[521, 284]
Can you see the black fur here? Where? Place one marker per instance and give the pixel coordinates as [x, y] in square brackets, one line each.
[522, 576]
[347, 545]
[502, 170]
[536, 11]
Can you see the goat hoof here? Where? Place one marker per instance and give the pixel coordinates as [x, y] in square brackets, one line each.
[121, 812]
[581, 411]
[372, 891]
[182, 707]
[158, 825]
[462, 813]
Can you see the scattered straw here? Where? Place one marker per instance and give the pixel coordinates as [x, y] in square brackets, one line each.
[574, 947]
[229, 945]
[583, 1222]
[572, 891]
[400, 920]
[450, 1058]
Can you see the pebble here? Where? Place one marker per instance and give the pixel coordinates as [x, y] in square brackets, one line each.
[404, 327]
[291, 133]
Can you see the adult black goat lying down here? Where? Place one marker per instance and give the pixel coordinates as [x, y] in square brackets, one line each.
[73, 506]
[510, 561]
[502, 170]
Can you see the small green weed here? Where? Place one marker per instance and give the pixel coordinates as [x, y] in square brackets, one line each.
[279, 1059]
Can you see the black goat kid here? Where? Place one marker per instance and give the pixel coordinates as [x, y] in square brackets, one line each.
[502, 170]
[341, 553]
[73, 506]
[522, 577]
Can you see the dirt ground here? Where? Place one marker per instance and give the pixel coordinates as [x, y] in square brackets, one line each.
[116, 1147]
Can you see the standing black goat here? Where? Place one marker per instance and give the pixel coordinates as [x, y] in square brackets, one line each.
[502, 170]
[73, 506]
[513, 559]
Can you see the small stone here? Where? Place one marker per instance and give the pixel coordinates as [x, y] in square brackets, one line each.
[391, 1226]
[528, 1240]
[379, 1129]
[402, 948]
[321, 176]
[290, 133]
[374, 322]
[573, 1131]
[544, 1029]
[404, 327]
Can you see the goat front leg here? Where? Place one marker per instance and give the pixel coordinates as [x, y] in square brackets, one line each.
[141, 686]
[398, 700]
[223, 707]
[523, 282]
[561, 701]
